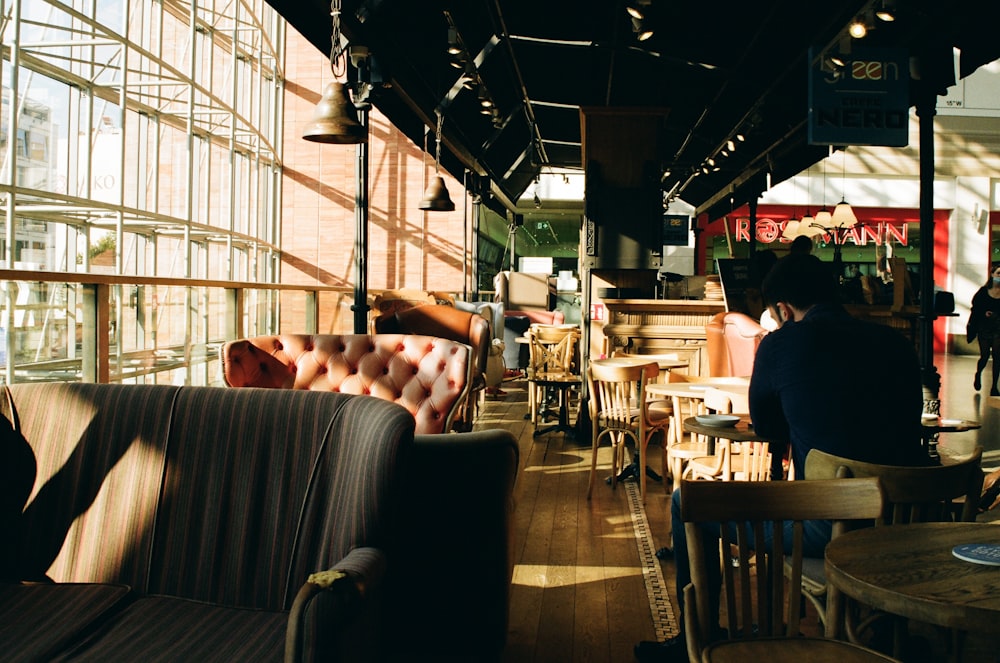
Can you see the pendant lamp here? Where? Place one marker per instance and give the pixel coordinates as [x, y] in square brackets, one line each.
[335, 120]
[843, 215]
[436, 198]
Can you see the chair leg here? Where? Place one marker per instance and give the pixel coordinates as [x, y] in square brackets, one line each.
[593, 459]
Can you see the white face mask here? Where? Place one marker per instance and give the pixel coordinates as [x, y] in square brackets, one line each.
[996, 280]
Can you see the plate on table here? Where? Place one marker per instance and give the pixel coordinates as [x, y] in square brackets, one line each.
[721, 420]
[978, 553]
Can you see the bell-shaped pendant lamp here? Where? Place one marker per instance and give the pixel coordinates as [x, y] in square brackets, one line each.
[335, 119]
[436, 198]
[843, 215]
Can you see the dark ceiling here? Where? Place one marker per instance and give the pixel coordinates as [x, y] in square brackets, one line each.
[717, 69]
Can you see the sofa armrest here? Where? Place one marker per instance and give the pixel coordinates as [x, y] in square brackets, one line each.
[340, 597]
[448, 591]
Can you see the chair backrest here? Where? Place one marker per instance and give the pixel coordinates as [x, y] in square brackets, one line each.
[913, 494]
[616, 390]
[552, 349]
[761, 603]
[390, 301]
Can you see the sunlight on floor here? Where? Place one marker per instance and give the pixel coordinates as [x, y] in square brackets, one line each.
[544, 575]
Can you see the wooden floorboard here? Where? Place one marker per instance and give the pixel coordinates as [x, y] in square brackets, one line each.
[578, 592]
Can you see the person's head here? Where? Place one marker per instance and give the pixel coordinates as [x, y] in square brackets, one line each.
[795, 284]
[994, 278]
[762, 263]
[801, 244]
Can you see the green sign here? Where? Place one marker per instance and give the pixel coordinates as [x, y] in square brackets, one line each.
[863, 100]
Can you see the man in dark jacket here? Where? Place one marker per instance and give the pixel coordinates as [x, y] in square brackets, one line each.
[821, 380]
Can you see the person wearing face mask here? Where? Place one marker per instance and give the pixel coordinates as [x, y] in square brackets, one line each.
[808, 390]
[984, 323]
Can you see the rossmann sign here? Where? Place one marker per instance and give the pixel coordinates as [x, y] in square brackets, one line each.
[863, 102]
[878, 233]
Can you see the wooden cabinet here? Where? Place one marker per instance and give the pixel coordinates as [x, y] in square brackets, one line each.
[661, 326]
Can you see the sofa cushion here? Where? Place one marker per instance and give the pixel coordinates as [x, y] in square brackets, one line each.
[100, 452]
[161, 628]
[39, 620]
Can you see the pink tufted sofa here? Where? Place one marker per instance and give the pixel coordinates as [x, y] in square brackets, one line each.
[429, 376]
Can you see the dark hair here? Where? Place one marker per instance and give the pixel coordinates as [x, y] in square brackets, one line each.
[989, 277]
[800, 279]
[801, 244]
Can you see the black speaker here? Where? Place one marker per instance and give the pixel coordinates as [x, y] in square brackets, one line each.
[518, 220]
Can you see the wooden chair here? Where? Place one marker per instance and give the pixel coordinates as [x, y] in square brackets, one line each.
[658, 412]
[733, 461]
[913, 494]
[761, 613]
[619, 410]
[681, 448]
[552, 363]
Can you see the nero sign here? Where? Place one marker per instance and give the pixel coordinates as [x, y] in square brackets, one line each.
[863, 102]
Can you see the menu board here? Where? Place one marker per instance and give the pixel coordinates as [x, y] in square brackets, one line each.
[735, 276]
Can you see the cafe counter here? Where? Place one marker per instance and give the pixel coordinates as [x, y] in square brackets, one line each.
[661, 326]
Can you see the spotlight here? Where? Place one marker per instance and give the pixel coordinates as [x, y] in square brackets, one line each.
[857, 29]
[886, 11]
[641, 33]
[454, 46]
[538, 202]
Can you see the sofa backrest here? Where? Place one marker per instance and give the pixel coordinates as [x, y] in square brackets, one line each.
[428, 376]
[443, 322]
[231, 496]
[538, 317]
[731, 341]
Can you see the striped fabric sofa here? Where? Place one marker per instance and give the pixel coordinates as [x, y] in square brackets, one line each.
[184, 523]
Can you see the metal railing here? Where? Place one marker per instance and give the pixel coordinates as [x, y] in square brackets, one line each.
[75, 327]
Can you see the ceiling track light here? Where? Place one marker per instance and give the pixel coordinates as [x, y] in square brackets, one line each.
[642, 33]
[858, 29]
[454, 45]
[886, 11]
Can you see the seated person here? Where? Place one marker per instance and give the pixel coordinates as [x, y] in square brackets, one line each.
[804, 395]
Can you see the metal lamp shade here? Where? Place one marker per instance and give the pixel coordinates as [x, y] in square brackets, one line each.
[335, 120]
[436, 198]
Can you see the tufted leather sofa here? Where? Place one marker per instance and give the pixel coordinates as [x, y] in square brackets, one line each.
[446, 322]
[429, 376]
[731, 341]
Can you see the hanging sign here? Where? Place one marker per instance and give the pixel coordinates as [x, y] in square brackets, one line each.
[863, 102]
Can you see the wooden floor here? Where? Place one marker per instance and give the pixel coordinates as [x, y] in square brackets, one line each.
[578, 591]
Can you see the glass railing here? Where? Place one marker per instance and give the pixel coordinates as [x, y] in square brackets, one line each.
[61, 327]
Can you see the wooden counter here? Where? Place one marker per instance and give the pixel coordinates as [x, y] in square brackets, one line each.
[662, 326]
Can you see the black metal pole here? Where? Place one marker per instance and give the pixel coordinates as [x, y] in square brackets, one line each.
[360, 306]
[931, 380]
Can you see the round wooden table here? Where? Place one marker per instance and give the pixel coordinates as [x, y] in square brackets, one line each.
[741, 432]
[934, 426]
[909, 570]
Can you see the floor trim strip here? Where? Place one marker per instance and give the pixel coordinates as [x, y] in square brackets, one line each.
[662, 611]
